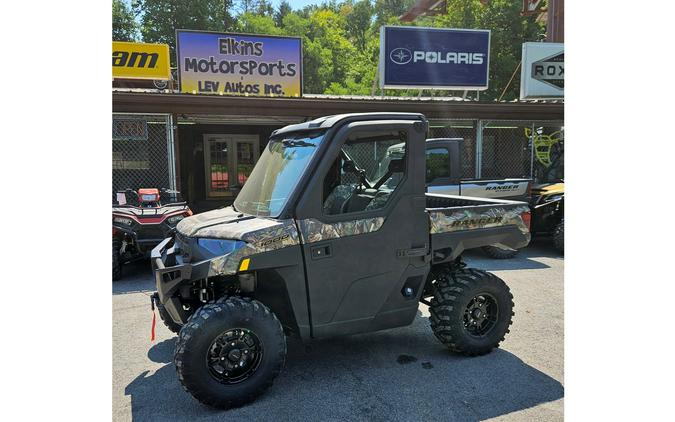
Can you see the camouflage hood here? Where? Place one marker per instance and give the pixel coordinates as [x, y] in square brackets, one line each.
[226, 223]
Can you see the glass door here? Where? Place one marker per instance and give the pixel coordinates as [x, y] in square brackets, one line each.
[228, 162]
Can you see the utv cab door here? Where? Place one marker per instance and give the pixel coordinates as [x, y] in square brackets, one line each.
[364, 228]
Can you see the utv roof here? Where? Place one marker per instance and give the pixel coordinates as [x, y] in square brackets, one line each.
[330, 121]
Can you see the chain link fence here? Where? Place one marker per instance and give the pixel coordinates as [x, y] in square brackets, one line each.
[506, 151]
[506, 148]
[143, 155]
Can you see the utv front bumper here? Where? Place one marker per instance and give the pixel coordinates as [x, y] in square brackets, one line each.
[171, 273]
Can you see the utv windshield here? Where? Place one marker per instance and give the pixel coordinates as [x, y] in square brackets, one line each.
[277, 173]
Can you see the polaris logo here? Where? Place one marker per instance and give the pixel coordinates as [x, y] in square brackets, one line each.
[400, 55]
[405, 56]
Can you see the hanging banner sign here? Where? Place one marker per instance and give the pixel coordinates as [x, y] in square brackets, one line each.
[434, 58]
[239, 64]
[134, 60]
[542, 75]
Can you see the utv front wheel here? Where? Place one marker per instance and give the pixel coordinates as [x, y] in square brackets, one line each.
[229, 353]
[498, 252]
[470, 310]
[116, 261]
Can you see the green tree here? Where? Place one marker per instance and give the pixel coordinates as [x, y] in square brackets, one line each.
[283, 10]
[359, 18]
[388, 10]
[250, 23]
[124, 26]
[161, 18]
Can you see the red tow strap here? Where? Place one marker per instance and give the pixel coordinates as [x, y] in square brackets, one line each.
[152, 329]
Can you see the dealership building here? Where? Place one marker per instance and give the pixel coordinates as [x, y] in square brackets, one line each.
[206, 144]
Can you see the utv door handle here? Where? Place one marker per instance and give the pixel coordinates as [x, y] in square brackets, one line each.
[321, 251]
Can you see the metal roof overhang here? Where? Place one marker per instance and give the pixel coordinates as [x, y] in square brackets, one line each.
[189, 104]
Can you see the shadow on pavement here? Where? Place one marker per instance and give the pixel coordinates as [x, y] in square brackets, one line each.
[527, 259]
[399, 374]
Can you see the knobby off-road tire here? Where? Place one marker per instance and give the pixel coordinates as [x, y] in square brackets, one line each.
[499, 253]
[116, 262]
[454, 294]
[166, 319]
[174, 327]
[201, 337]
[559, 237]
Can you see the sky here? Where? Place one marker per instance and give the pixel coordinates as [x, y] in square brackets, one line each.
[297, 4]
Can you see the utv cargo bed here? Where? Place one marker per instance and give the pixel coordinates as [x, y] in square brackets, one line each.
[457, 223]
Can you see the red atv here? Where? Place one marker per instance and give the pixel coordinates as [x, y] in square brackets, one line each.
[141, 220]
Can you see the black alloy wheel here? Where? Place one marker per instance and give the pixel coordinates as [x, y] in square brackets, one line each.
[234, 355]
[481, 315]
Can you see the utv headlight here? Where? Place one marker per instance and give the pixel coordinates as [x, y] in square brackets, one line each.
[122, 220]
[175, 219]
[219, 247]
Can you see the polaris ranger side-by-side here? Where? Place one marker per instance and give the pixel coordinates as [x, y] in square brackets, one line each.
[329, 236]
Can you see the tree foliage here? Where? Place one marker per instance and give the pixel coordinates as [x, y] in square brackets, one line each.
[160, 18]
[341, 37]
[124, 26]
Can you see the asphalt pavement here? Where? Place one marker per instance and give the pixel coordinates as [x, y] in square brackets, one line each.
[402, 374]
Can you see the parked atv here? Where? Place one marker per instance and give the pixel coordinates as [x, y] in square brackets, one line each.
[141, 220]
[328, 237]
[548, 212]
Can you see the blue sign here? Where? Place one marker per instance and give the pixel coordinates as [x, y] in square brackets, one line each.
[428, 58]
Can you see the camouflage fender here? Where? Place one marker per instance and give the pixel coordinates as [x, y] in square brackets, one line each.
[283, 234]
[467, 219]
[258, 234]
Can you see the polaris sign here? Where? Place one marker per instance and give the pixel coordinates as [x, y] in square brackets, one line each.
[434, 58]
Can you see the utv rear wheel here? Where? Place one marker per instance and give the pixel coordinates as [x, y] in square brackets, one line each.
[559, 237]
[470, 310]
[229, 353]
[498, 252]
[116, 261]
[166, 319]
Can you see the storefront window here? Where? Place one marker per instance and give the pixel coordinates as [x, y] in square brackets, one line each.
[218, 166]
[229, 160]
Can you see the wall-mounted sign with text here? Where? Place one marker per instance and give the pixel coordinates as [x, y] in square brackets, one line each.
[135, 60]
[542, 75]
[239, 64]
[434, 58]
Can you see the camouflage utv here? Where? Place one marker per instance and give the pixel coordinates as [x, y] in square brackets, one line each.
[329, 237]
